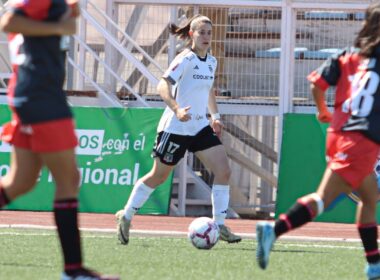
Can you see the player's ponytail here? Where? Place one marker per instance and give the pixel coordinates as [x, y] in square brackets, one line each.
[180, 32]
[368, 38]
[184, 32]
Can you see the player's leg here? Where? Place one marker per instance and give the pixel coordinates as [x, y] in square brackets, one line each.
[141, 192]
[167, 152]
[341, 176]
[215, 160]
[367, 224]
[24, 171]
[146, 185]
[303, 211]
[311, 205]
[63, 168]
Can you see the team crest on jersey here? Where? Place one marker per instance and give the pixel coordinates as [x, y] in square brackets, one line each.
[168, 157]
[210, 68]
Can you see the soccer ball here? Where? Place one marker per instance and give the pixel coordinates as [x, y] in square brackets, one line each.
[203, 233]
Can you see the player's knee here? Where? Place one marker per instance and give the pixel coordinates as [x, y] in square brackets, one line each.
[370, 204]
[68, 186]
[320, 205]
[19, 188]
[161, 178]
[314, 203]
[227, 173]
[155, 179]
[76, 178]
[224, 174]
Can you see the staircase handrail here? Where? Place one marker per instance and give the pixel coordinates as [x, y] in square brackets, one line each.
[137, 63]
[129, 38]
[94, 84]
[109, 69]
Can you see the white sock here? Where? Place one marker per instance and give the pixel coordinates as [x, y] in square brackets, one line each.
[220, 198]
[139, 196]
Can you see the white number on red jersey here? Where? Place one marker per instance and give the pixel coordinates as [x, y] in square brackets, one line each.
[363, 88]
[14, 49]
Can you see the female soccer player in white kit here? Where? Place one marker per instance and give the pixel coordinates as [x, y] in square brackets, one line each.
[186, 88]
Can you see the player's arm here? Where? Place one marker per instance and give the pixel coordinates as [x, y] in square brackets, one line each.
[216, 123]
[328, 74]
[212, 105]
[14, 23]
[323, 114]
[163, 89]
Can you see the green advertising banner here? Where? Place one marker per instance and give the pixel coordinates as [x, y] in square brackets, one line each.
[302, 165]
[113, 152]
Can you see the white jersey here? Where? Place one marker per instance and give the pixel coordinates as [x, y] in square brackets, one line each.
[191, 78]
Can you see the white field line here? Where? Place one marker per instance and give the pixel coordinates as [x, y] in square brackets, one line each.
[175, 233]
[280, 244]
[308, 245]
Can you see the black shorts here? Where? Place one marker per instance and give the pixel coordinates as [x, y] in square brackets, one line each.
[170, 148]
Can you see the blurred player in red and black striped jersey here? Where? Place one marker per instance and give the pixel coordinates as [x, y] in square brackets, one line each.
[42, 129]
[353, 142]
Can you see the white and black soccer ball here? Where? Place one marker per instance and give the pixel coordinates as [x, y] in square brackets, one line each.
[203, 233]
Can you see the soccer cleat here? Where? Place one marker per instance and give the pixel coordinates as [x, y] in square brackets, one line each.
[86, 274]
[373, 271]
[265, 239]
[225, 234]
[123, 226]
